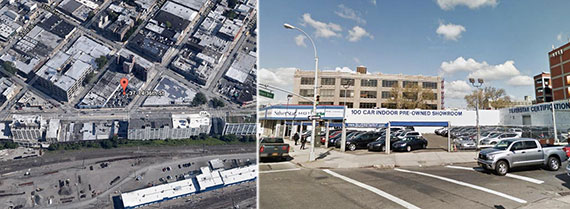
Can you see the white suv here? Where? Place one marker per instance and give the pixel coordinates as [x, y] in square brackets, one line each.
[409, 133]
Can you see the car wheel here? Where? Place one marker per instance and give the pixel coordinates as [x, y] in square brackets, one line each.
[502, 168]
[408, 148]
[553, 164]
[383, 148]
[352, 147]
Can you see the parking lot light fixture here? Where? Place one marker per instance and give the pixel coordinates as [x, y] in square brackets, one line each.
[478, 86]
[314, 125]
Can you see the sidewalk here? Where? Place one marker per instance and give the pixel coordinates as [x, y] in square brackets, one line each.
[551, 203]
[331, 158]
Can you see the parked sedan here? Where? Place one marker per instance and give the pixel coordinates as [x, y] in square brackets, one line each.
[494, 139]
[362, 140]
[410, 143]
[380, 143]
[466, 144]
[348, 137]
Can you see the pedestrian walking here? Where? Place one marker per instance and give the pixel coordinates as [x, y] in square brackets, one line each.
[296, 138]
[303, 141]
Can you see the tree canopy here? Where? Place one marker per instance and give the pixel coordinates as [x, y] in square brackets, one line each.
[199, 99]
[488, 97]
[411, 96]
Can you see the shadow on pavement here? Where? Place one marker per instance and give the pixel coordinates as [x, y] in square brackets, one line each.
[275, 159]
[323, 155]
[564, 177]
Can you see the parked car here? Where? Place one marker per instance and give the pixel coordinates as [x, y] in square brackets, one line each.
[331, 135]
[517, 152]
[409, 133]
[466, 144]
[567, 150]
[348, 137]
[273, 148]
[496, 138]
[380, 143]
[518, 131]
[361, 140]
[410, 143]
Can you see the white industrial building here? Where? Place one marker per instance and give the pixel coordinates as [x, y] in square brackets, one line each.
[178, 126]
[272, 118]
[206, 181]
[33, 130]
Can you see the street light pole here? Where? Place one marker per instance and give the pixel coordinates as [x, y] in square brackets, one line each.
[343, 137]
[477, 85]
[314, 131]
[286, 112]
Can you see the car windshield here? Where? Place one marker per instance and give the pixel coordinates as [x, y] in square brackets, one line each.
[409, 138]
[494, 135]
[272, 140]
[503, 145]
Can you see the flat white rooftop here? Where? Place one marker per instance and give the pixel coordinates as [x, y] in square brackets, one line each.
[158, 193]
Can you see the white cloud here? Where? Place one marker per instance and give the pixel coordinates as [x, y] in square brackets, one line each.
[460, 64]
[559, 37]
[356, 33]
[472, 4]
[506, 71]
[278, 77]
[497, 72]
[344, 70]
[456, 89]
[348, 13]
[373, 2]
[450, 31]
[325, 30]
[520, 80]
[300, 40]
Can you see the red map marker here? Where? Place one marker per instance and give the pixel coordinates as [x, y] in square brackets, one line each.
[124, 83]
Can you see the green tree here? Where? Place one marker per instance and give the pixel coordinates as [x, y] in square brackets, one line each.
[411, 96]
[101, 61]
[168, 24]
[89, 78]
[230, 14]
[8, 145]
[10, 67]
[232, 3]
[489, 97]
[217, 103]
[199, 99]
[113, 16]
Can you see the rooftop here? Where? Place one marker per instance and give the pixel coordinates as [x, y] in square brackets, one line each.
[179, 10]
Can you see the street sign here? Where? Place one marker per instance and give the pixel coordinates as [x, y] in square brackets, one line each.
[267, 94]
[314, 117]
[321, 114]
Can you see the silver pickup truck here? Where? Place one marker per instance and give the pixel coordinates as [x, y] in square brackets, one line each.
[517, 152]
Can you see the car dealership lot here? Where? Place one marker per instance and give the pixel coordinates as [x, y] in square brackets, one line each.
[290, 186]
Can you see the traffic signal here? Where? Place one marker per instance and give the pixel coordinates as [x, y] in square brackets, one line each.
[318, 98]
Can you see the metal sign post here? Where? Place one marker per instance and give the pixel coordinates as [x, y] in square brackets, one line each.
[387, 142]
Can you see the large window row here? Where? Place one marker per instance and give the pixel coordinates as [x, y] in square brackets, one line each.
[368, 94]
[368, 82]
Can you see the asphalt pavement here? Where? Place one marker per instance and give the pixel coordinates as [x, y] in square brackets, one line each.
[288, 185]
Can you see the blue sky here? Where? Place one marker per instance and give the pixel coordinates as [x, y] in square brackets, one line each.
[505, 42]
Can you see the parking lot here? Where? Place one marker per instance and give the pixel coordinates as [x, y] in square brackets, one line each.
[287, 185]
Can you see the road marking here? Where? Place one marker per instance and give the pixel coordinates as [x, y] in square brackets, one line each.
[466, 184]
[524, 178]
[282, 170]
[373, 189]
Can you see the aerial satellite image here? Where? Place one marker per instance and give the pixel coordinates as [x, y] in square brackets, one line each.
[128, 104]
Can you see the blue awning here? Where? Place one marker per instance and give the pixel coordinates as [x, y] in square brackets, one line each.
[423, 123]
